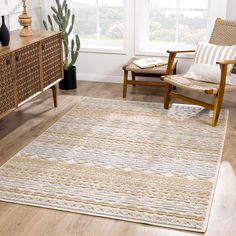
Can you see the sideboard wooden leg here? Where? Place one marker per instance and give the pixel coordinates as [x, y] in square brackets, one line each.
[54, 93]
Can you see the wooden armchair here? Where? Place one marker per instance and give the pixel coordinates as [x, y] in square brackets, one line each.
[224, 33]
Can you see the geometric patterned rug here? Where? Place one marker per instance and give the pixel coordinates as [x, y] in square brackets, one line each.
[125, 160]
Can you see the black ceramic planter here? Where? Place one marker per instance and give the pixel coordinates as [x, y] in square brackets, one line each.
[69, 81]
[4, 34]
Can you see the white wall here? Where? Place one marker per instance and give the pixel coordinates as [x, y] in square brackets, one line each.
[231, 10]
[108, 67]
[12, 10]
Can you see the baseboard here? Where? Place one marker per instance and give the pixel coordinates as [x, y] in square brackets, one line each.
[107, 78]
[100, 78]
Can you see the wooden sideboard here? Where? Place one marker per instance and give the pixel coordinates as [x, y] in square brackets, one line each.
[29, 66]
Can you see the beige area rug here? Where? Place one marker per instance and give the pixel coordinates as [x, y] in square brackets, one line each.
[125, 160]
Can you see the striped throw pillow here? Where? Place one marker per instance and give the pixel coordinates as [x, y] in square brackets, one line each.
[210, 53]
[205, 68]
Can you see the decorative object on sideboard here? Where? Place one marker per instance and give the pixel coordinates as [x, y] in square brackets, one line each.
[25, 20]
[4, 33]
[62, 17]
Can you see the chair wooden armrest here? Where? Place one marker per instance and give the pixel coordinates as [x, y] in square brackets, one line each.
[223, 70]
[180, 51]
[226, 62]
[172, 55]
[223, 74]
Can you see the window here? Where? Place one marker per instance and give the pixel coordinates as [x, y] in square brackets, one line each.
[154, 25]
[171, 24]
[100, 23]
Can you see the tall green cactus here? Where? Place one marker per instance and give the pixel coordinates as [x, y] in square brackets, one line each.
[62, 17]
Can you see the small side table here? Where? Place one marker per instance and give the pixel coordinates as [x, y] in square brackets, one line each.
[156, 71]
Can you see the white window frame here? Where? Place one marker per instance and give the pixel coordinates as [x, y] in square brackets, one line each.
[125, 38]
[4, 7]
[215, 9]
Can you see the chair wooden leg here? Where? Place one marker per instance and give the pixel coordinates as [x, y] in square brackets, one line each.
[168, 89]
[133, 78]
[125, 83]
[54, 93]
[218, 99]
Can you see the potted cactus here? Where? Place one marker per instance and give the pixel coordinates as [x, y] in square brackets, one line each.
[65, 21]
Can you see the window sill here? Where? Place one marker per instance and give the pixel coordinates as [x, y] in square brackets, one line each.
[103, 51]
[165, 54]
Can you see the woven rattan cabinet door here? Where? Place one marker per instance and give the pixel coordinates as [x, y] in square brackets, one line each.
[7, 100]
[27, 71]
[52, 59]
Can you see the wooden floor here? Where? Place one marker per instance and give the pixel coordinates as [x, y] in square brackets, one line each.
[22, 126]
